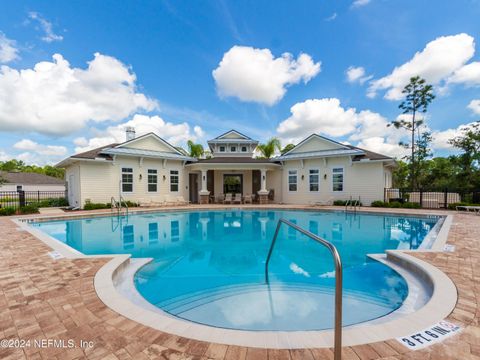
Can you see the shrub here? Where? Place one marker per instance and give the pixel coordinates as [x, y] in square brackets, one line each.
[411, 205]
[395, 204]
[53, 202]
[129, 203]
[454, 205]
[7, 211]
[95, 206]
[29, 209]
[339, 202]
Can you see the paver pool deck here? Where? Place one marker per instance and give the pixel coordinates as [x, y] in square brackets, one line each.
[42, 298]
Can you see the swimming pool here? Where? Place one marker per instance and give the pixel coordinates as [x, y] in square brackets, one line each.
[208, 266]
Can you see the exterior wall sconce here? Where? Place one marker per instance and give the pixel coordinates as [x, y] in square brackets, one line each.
[325, 177]
[140, 177]
[164, 178]
[263, 177]
[303, 177]
[203, 177]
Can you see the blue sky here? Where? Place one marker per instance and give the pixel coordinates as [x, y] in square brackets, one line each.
[159, 67]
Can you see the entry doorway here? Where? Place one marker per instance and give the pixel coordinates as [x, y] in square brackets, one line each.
[233, 184]
[193, 188]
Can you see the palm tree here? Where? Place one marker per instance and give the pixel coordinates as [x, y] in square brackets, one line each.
[195, 150]
[268, 149]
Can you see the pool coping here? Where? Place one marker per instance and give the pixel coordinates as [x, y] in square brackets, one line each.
[440, 305]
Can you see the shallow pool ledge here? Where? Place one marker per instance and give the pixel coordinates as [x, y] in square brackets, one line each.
[440, 305]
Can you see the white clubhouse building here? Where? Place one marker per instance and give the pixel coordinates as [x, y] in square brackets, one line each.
[147, 169]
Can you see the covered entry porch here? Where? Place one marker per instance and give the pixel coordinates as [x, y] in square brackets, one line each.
[227, 182]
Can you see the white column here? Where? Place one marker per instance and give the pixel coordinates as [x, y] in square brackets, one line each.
[263, 187]
[204, 180]
[203, 190]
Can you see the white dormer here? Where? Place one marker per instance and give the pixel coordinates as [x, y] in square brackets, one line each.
[232, 144]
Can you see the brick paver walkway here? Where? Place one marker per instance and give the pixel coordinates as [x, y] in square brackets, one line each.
[45, 299]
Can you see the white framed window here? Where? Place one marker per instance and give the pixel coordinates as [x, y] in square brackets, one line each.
[222, 148]
[314, 179]
[244, 149]
[127, 179]
[19, 187]
[152, 180]
[233, 148]
[174, 180]
[292, 180]
[337, 179]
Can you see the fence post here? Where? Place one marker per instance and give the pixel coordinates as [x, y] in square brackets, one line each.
[446, 198]
[21, 198]
[421, 198]
[384, 194]
[38, 195]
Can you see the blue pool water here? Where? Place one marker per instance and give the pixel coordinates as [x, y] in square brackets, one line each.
[208, 266]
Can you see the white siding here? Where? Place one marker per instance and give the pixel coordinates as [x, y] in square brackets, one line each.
[360, 179]
[149, 143]
[100, 181]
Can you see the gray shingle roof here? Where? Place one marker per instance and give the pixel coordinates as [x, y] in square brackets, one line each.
[26, 178]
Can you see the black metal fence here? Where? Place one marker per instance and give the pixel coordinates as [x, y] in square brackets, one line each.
[18, 199]
[432, 199]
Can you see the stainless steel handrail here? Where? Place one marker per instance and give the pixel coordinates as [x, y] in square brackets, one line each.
[126, 205]
[338, 279]
[113, 204]
[348, 202]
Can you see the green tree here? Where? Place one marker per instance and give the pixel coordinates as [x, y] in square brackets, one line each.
[400, 175]
[422, 154]
[195, 150]
[267, 150]
[287, 148]
[12, 165]
[418, 95]
[469, 144]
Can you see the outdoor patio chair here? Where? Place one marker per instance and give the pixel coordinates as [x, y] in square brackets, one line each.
[247, 199]
[219, 198]
[228, 199]
[237, 199]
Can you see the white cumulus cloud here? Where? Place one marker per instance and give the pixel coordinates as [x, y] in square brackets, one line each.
[176, 134]
[47, 27]
[474, 105]
[468, 74]
[322, 116]
[8, 50]
[440, 59]
[357, 74]
[41, 149]
[57, 99]
[365, 128]
[256, 75]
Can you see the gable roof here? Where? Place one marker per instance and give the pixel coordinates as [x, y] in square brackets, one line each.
[245, 137]
[312, 136]
[95, 153]
[150, 134]
[369, 155]
[107, 152]
[27, 178]
[341, 150]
